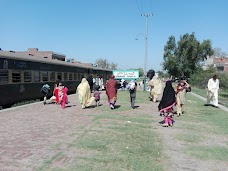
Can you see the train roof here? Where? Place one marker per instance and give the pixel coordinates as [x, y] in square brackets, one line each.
[24, 57]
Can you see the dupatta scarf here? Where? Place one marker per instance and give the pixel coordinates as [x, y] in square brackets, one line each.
[84, 92]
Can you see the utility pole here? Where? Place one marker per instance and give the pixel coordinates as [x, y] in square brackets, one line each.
[146, 39]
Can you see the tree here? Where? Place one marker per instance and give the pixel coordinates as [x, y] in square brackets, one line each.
[184, 57]
[219, 53]
[103, 63]
[113, 66]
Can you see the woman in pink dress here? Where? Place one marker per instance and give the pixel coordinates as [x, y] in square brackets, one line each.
[64, 98]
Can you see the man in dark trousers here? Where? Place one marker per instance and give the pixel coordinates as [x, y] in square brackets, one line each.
[132, 87]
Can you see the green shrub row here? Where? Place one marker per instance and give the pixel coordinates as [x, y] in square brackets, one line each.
[201, 78]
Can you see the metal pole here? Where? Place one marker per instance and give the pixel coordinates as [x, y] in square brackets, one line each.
[145, 58]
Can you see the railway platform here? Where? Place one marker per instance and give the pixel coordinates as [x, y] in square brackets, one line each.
[33, 133]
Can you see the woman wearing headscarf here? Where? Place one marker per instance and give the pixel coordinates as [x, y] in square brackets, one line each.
[84, 93]
[64, 100]
[111, 91]
[181, 90]
[156, 88]
[166, 104]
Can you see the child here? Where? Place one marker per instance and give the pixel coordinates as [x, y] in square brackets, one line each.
[168, 117]
[132, 86]
[96, 95]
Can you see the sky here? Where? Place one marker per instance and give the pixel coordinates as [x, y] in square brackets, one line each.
[87, 30]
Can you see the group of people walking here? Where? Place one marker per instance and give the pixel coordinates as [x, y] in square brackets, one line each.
[84, 90]
[171, 96]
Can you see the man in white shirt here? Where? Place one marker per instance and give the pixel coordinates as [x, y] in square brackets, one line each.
[212, 94]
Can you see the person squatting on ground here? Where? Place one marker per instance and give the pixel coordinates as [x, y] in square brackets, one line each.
[155, 85]
[56, 93]
[45, 89]
[212, 93]
[167, 103]
[132, 87]
[96, 95]
[111, 91]
[84, 93]
[181, 89]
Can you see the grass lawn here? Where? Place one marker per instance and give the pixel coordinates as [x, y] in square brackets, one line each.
[223, 95]
[204, 130]
[120, 139]
[130, 140]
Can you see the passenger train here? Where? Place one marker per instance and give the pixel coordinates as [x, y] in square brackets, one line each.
[22, 76]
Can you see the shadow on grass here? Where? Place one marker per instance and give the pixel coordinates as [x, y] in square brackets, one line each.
[135, 107]
[117, 106]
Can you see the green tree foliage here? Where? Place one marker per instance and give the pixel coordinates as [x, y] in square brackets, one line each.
[184, 57]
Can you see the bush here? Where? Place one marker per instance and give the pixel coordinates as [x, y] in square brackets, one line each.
[201, 78]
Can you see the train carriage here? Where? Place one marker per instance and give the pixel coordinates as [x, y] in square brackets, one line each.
[22, 76]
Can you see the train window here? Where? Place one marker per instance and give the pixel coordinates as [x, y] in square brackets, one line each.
[59, 76]
[52, 76]
[75, 76]
[45, 75]
[16, 76]
[27, 76]
[65, 76]
[4, 76]
[70, 76]
[36, 76]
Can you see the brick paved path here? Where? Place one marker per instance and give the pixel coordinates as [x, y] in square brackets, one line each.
[37, 137]
[33, 134]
